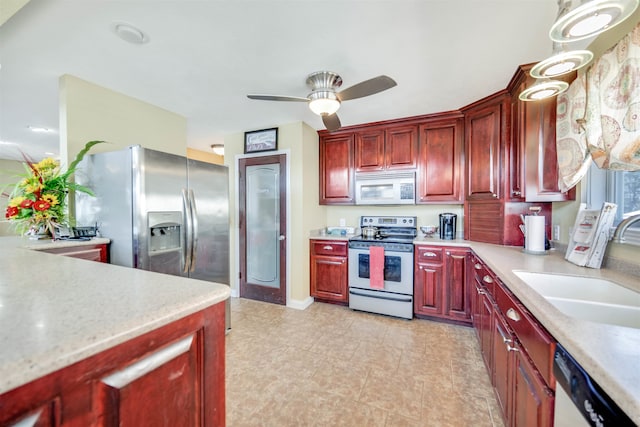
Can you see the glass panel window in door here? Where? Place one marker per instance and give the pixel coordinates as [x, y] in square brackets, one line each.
[263, 225]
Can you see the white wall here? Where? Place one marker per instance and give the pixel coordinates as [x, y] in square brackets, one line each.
[90, 112]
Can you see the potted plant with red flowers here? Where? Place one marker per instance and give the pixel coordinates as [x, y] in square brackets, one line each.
[38, 202]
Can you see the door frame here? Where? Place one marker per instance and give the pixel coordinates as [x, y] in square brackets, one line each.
[235, 291]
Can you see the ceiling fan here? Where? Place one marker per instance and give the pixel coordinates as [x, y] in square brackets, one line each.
[325, 101]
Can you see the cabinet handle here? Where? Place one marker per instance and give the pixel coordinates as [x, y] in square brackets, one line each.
[328, 248]
[510, 348]
[477, 266]
[505, 339]
[495, 196]
[513, 315]
[487, 279]
[517, 193]
[480, 291]
[429, 254]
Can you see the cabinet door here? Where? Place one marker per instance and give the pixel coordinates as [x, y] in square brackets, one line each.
[329, 270]
[440, 162]
[46, 415]
[163, 388]
[401, 147]
[485, 127]
[337, 170]
[502, 363]
[532, 400]
[370, 150]
[428, 289]
[457, 305]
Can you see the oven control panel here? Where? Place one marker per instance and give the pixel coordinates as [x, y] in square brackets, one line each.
[388, 221]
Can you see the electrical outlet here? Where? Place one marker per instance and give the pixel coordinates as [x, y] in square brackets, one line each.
[343, 222]
[556, 232]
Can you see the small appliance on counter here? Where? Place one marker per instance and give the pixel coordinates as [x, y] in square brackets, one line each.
[448, 226]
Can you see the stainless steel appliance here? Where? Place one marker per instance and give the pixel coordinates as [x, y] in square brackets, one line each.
[579, 400]
[448, 226]
[162, 212]
[385, 188]
[395, 235]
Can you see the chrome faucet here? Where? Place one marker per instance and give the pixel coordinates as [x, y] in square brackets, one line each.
[618, 235]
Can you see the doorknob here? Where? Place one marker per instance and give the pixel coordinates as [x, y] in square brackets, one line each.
[281, 237]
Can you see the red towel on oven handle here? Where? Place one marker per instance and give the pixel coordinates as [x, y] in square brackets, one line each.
[376, 267]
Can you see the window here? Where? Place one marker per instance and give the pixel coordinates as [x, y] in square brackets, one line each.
[619, 187]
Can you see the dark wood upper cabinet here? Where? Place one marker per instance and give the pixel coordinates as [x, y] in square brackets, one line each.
[337, 170]
[370, 150]
[401, 147]
[386, 148]
[533, 160]
[486, 130]
[440, 160]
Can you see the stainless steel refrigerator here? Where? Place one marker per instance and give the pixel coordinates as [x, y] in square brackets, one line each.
[162, 212]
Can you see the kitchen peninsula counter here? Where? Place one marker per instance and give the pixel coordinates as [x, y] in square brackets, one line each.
[56, 311]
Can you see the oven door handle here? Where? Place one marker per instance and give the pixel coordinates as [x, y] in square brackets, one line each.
[353, 292]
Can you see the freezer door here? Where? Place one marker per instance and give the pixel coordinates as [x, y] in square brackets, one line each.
[158, 183]
[209, 198]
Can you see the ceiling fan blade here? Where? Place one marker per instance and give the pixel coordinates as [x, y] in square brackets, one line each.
[278, 98]
[366, 88]
[331, 122]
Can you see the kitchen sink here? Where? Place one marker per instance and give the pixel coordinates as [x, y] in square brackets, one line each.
[588, 298]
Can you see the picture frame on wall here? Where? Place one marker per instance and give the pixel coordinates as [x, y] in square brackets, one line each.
[261, 140]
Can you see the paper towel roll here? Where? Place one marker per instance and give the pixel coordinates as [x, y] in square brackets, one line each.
[535, 235]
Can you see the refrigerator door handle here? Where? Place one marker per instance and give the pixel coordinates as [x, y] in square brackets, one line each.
[194, 229]
[188, 232]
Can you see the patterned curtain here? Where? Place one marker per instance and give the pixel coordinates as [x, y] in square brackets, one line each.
[599, 116]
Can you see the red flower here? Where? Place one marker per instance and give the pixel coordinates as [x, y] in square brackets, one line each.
[41, 205]
[26, 203]
[11, 212]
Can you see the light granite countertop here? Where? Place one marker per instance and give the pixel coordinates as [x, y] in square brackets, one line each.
[609, 353]
[57, 310]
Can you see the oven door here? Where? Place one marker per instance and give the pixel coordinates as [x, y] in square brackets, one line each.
[398, 271]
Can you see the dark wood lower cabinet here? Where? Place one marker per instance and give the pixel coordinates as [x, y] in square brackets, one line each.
[98, 252]
[173, 376]
[440, 283]
[510, 340]
[533, 400]
[328, 271]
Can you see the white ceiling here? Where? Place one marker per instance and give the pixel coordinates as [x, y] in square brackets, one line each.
[203, 57]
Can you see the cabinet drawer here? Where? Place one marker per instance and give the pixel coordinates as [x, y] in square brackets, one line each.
[327, 247]
[538, 344]
[428, 254]
[483, 275]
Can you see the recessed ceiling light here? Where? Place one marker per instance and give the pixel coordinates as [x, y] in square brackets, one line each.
[129, 33]
[40, 129]
[218, 149]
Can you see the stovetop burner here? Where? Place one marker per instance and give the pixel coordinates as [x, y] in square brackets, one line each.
[395, 229]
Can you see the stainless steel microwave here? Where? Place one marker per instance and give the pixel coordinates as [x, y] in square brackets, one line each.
[386, 188]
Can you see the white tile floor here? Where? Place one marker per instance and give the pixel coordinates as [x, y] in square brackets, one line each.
[331, 366]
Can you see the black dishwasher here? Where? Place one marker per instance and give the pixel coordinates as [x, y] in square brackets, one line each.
[579, 400]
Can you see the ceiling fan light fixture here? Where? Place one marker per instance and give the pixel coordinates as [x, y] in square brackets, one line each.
[562, 63]
[324, 103]
[543, 89]
[218, 149]
[591, 18]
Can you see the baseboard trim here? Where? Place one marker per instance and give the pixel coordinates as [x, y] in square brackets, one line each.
[235, 293]
[300, 304]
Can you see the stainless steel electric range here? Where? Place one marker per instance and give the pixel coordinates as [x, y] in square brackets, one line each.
[395, 234]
